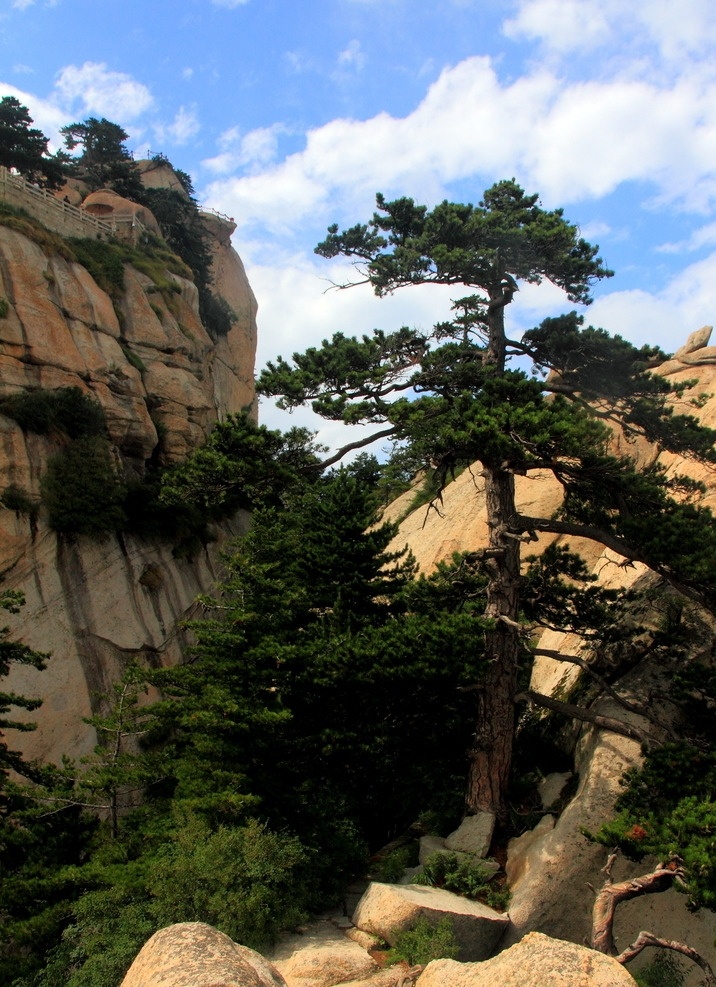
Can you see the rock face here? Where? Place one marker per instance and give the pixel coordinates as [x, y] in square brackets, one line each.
[162, 382]
[386, 910]
[537, 961]
[192, 954]
[322, 957]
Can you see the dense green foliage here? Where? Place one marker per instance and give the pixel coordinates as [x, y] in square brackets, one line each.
[464, 877]
[105, 161]
[424, 942]
[66, 410]
[13, 652]
[24, 148]
[449, 394]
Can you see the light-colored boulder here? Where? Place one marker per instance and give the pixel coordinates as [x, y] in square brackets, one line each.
[550, 788]
[386, 910]
[429, 845]
[192, 954]
[536, 961]
[108, 205]
[696, 341]
[520, 856]
[473, 835]
[320, 957]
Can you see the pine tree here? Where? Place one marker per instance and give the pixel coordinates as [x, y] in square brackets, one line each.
[450, 394]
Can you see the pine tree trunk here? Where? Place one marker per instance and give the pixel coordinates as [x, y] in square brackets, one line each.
[492, 753]
[491, 756]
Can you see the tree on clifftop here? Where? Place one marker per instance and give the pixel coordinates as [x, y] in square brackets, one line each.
[105, 161]
[24, 148]
[450, 394]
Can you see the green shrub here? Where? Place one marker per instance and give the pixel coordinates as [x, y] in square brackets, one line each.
[216, 314]
[4, 308]
[81, 490]
[66, 409]
[664, 971]
[133, 359]
[246, 881]
[16, 499]
[425, 942]
[392, 867]
[448, 871]
[20, 221]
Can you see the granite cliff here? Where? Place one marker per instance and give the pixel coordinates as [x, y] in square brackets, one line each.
[162, 381]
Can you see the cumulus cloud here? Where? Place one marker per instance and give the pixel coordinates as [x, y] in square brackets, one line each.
[253, 150]
[46, 115]
[184, 126]
[572, 141]
[93, 88]
[566, 27]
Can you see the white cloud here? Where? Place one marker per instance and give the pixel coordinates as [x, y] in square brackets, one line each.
[570, 141]
[562, 25]
[185, 125]
[46, 116]
[93, 88]
[252, 151]
[352, 57]
[565, 27]
[229, 4]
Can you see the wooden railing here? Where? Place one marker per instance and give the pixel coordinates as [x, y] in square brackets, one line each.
[61, 216]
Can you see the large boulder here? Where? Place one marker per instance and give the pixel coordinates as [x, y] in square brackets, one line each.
[192, 954]
[536, 961]
[386, 910]
[320, 957]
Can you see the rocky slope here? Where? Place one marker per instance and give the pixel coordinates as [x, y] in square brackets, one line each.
[162, 382]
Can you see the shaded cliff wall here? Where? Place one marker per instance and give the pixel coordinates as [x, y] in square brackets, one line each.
[162, 382]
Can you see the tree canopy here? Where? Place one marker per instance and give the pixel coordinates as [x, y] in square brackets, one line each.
[24, 147]
[449, 393]
[105, 161]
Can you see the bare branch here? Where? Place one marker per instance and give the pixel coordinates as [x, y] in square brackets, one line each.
[611, 895]
[358, 444]
[645, 939]
[587, 715]
[614, 543]
[603, 684]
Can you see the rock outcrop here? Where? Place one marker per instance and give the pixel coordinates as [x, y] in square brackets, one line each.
[162, 382]
[386, 910]
[192, 954]
[537, 961]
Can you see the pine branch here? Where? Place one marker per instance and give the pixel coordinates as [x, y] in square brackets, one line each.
[587, 716]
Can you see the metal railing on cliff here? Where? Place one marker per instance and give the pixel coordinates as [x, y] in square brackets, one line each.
[61, 216]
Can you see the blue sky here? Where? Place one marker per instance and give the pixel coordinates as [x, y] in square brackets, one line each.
[291, 115]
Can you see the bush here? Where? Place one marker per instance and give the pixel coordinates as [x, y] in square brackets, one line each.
[16, 499]
[447, 870]
[67, 410]
[246, 881]
[81, 490]
[665, 971]
[425, 942]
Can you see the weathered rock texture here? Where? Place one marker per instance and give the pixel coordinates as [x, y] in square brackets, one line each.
[321, 957]
[154, 369]
[386, 910]
[192, 954]
[537, 961]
